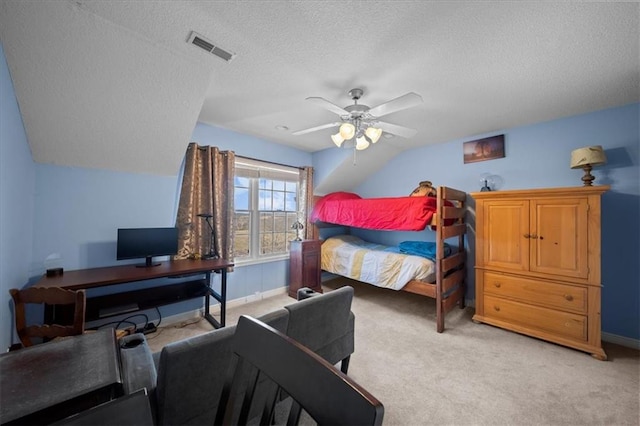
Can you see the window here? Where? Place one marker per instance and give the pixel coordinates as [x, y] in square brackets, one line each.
[266, 205]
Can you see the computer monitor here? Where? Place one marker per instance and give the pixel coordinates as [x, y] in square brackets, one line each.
[138, 243]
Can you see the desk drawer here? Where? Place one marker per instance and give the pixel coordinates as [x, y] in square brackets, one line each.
[547, 320]
[552, 295]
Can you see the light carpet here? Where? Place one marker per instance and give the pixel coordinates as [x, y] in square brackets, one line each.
[472, 374]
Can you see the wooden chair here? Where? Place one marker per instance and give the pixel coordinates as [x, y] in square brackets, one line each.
[329, 396]
[75, 300]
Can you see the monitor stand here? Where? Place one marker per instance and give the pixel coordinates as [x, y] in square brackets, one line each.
[148, 263]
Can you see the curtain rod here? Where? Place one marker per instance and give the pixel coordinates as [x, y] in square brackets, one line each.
[264, 161]
[269, 162]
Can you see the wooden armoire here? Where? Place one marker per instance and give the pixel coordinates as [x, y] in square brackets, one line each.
[538, 264]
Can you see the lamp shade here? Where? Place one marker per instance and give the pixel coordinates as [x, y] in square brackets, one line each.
[590, 155]
[373, 134]
[347, 130]
[337, 139]
[361, 143]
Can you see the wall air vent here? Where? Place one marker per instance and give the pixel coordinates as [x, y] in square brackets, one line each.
[197, 40]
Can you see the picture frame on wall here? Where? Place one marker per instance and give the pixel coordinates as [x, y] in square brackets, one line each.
[483, 149]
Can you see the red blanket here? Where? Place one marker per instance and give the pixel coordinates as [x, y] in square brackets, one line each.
[392, 214]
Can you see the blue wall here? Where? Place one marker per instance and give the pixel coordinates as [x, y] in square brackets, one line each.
[17, 183]
[85, 207]
[64, 215]
[538, 156]
[68, 216]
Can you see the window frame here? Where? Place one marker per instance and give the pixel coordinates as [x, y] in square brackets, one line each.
[254, 171]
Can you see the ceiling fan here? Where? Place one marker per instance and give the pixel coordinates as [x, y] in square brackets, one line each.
[362, 122]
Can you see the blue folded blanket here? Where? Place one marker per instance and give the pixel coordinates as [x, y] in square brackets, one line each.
[422, 248]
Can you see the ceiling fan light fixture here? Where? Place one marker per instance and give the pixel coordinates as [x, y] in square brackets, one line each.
[337, 139]
[361, 122]
[373, 133]
[347, 131]
[362, 143]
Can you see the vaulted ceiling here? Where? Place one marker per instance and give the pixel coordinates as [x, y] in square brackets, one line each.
[115, 84]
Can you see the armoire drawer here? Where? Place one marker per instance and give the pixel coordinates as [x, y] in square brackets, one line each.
[552, 295]
[548, 320]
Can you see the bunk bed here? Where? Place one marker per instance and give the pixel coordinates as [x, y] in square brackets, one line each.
[444, 213]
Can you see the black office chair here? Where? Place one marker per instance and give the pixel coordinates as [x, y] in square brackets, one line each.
[329, 396]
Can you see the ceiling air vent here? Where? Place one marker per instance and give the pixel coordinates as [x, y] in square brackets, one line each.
[197, 40]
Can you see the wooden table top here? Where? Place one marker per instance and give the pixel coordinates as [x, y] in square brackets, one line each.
[41, 376]
[98, 277]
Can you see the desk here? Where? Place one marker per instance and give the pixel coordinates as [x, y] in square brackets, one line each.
[43, 383]
[100, 277]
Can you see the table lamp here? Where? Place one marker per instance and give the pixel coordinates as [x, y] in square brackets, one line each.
[298, 226]
[585, 158]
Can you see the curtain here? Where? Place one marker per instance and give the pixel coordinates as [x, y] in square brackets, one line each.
[305, 205]
[207, 189]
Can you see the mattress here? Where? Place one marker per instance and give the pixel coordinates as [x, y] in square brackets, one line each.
[372, 263]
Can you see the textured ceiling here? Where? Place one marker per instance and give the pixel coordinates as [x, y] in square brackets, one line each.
[114, 85]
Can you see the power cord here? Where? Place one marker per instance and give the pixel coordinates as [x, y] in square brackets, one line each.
[118, 323]
[146, 321]
[151, 327]
[159, 317]
[148, 327]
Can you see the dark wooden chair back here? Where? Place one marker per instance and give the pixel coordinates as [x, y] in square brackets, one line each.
[75, 300]
[329, 396]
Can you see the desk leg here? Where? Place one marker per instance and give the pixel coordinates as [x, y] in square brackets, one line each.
[223, 302]
[222, 298]
[207, 298]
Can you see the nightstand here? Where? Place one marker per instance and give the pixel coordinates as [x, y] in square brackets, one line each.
[304, 266]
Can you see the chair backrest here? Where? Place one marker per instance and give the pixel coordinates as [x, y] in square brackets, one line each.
[326, 394]
[324, 323]
[191, 373]
[53, 296]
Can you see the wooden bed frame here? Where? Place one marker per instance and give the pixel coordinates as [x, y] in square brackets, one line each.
[449, 287]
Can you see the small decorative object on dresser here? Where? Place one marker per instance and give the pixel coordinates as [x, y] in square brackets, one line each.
[538, 264]
[304, 266]
[586, 158]
[490, 182]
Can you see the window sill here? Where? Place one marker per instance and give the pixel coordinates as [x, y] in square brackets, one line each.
[249, 262]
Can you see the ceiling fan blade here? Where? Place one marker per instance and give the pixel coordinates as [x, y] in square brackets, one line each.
[313, 129]
[321, 102]
[405, 132]
[403, 102]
